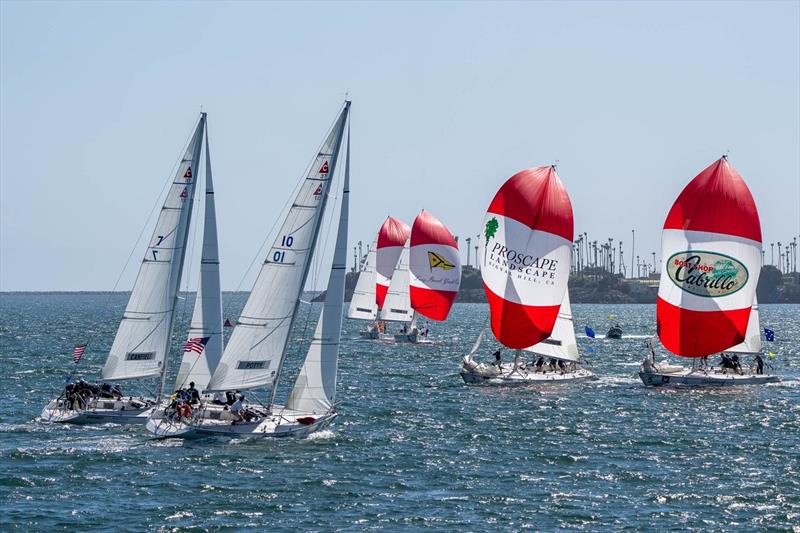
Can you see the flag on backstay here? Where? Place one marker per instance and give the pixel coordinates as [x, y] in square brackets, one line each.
[196, 344]
[589, 332]
[77, 352]
[769, 335]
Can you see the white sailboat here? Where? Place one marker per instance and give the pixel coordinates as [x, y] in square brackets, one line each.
[203, 349]
[142, 342]
[255, 353]
[556, 359]
[397, 306]
[363, 305]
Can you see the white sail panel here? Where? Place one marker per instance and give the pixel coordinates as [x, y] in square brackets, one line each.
[257, 345]
[314, 390]
[397, 306]
[752, 337]
[363, 305]
[142, 341]
[562, 343]
[207, 316]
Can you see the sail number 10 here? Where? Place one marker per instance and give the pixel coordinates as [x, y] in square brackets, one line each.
[287, 241]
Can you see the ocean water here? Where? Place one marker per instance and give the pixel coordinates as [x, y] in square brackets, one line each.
[413, 447]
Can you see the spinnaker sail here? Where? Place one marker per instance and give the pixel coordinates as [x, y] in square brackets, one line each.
[527, 249]
[435, 267]
[392, 238]
[711, 248]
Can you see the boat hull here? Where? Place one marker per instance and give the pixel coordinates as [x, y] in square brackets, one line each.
[102, 411]
[691, 378]
[278, 425]
[522, 377]
[614, 333]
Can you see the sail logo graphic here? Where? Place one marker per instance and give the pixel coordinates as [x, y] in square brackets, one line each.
[437, 261]
[324, 168]
[318, 192]
[707, 274]
[525, 265]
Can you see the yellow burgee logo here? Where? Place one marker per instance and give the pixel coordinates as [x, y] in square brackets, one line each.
[437, 261]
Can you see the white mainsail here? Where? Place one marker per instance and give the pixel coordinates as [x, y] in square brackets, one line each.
[752, 337]
[257, 346]
[315, 387]
[207, 316]
[363, 305]
[397, 307]
[142, 341]
[561, 344]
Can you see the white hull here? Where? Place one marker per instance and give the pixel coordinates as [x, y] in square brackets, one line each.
[703, 378]
[215, 420]
[100, 411]
[483, 374]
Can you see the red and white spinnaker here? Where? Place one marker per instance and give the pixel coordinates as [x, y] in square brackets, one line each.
[527, 250]
[711, 249]
[392, 238]
[435, 267]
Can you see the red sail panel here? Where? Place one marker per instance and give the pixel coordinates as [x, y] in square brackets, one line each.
[527, 250]
[711, 253]
[391, 238]
[435, 267]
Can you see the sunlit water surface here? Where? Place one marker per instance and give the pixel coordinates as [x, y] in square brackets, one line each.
[413, 447]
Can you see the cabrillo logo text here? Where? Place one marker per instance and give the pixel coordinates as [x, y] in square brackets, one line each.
[707, 274]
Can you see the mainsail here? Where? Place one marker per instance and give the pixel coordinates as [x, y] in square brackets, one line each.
[397, 305]
[435, 267]
[392, 238]
[752, 337]
[142, 341]
[363, 305]
[561, 344]
[527, 249]
[207, 316]
[711, 248]
[255, 351]
[314, 389]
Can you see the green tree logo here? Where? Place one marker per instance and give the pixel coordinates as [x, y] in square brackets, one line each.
[490, 231]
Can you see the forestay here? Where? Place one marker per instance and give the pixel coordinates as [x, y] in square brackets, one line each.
[363, 305]
[397, 306]
[561, 344]
[207, 316]
[255, 351]
[315, 387]
[142, 341]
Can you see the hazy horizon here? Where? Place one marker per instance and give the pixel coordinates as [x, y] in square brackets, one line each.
[449, 100]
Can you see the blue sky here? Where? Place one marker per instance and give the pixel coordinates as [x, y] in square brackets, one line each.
[449, 100]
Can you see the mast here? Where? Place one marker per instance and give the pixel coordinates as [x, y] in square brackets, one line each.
[307, 266]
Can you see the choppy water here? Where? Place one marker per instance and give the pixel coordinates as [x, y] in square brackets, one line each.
[413, 447]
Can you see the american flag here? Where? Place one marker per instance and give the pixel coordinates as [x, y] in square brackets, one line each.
[196, 344]
[77, 352]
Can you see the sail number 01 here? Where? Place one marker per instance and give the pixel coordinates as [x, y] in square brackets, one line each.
[287, 241]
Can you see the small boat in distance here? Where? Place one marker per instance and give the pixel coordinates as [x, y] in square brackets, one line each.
[706, 297]
[614, 332]
[527, 249]
[142, 342]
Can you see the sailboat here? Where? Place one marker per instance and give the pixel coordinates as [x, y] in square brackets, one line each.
[203, 349]
[527, 249]
[706, 304]
[363, 304]
[434, 274]
[392, 276]
[256, 350]
[142, 342]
